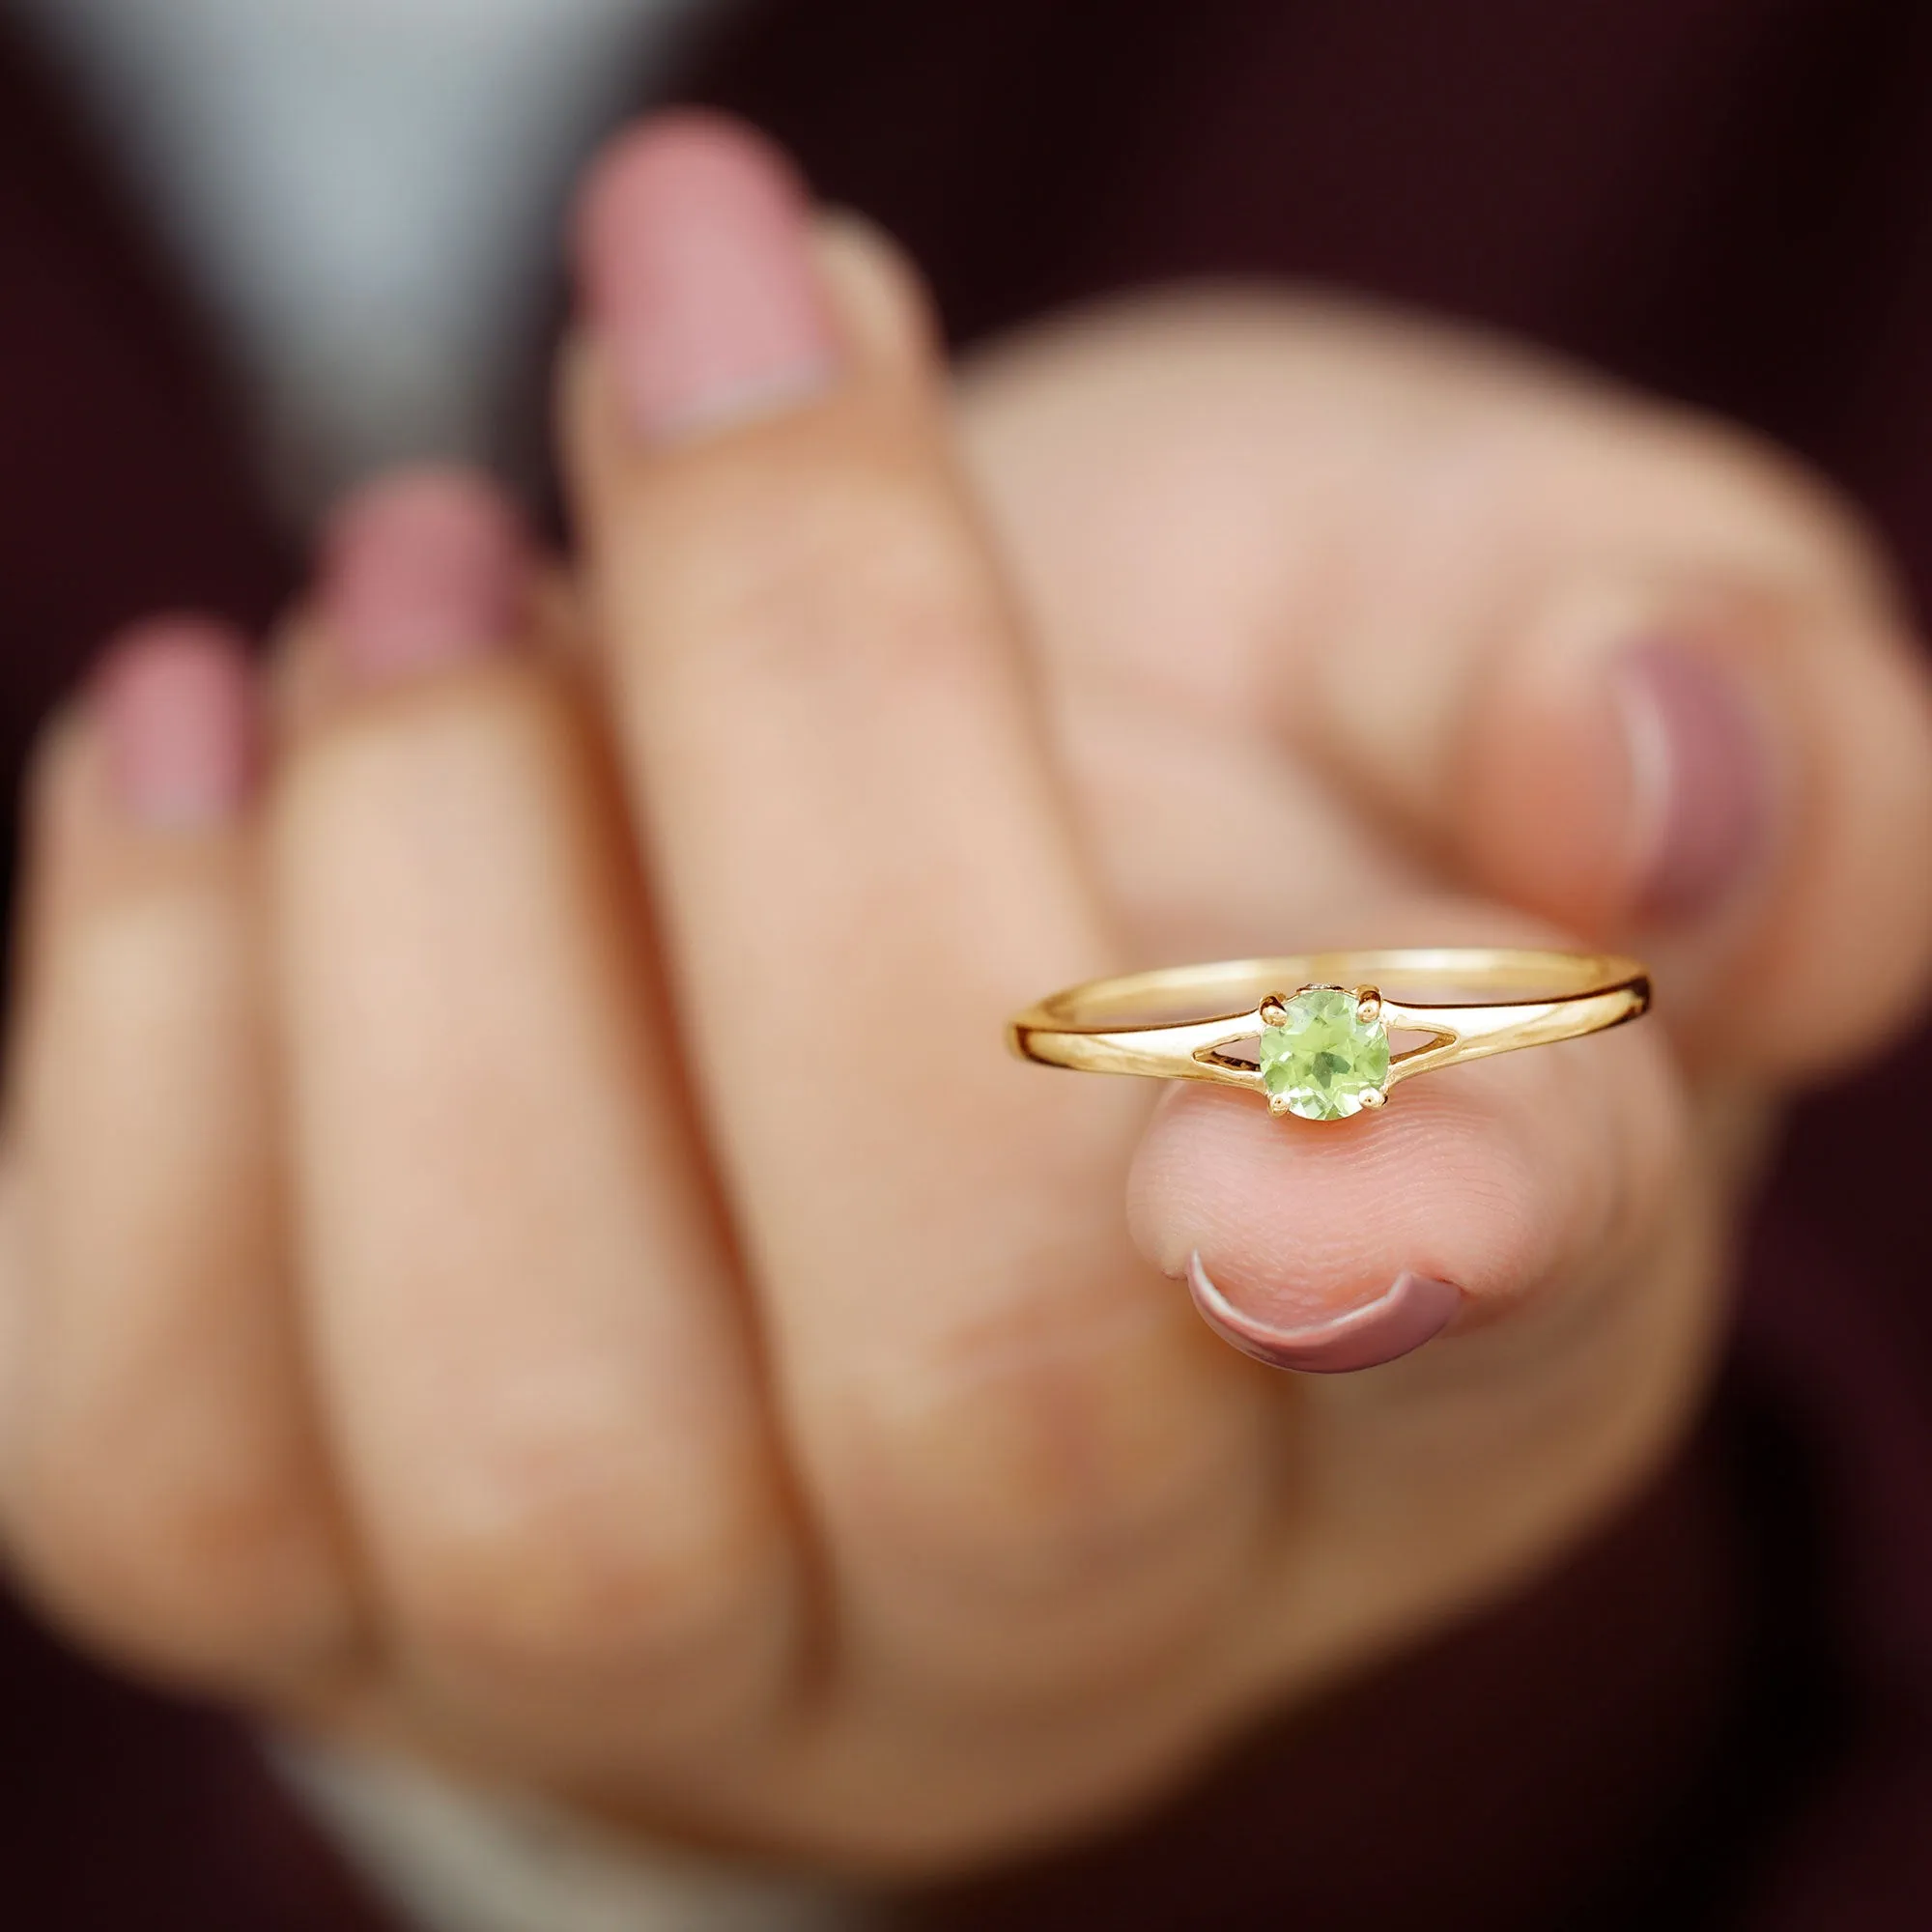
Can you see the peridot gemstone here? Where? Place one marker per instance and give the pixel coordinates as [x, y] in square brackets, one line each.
[1323, 1061]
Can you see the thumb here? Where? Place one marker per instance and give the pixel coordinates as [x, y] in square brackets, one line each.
[1596, 659]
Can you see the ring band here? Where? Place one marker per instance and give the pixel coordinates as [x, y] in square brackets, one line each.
[1319, 1023]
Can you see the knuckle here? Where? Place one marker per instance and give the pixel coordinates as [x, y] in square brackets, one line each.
[219, 1572]
[382, 756]
[1029, 1478]
[540, 1589]
[850, 569]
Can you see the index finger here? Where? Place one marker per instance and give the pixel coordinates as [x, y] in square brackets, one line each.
[866, 865]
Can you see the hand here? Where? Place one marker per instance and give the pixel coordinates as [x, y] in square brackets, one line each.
[522, 1240]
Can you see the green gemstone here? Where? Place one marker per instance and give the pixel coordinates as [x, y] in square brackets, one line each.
[1323, 1061]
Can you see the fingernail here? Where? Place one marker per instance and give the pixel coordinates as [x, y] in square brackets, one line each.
[423, 571]
[1702, 777]
[1414, 1309]
[181, 724]
[694, 258]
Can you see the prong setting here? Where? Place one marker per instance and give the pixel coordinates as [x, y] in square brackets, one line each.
[1321, 1055]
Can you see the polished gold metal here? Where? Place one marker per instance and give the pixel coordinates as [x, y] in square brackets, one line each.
[1178, 1022]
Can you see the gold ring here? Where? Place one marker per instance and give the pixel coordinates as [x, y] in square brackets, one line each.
[1310, 1032]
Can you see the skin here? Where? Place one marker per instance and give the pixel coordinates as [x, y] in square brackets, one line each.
[521, 1242]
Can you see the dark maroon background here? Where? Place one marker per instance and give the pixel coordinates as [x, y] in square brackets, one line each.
[1722, 1712]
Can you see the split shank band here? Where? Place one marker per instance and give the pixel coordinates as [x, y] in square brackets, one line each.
[1189, 1022]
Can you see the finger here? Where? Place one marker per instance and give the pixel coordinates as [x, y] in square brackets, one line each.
[528, 1340]
[865, 867]
[1510, 1283]
[166, 1490]
[1525, 1243]
[1482, 1193]
[1619, 668]
[1522, 1187]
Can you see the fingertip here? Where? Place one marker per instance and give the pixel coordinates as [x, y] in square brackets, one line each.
[1736, 786]
[683, 156]
[180, 718]
[1838, 958]
[1702, 782]
[1623, 775]
[1300, 1224]
[421, 570]
[1327, 1247]
[692, 245]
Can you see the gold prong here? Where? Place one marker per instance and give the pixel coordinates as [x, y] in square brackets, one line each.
[1376, 1097]
[1275, 1011]
[1277, 1103]
[1368, 1004]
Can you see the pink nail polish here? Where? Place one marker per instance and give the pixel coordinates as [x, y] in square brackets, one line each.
[421, 571]
[1413, 1310]
[180, 723]
[692, 244]
[1701, 776]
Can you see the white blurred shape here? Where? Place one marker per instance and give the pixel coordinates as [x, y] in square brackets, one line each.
[365, 191]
